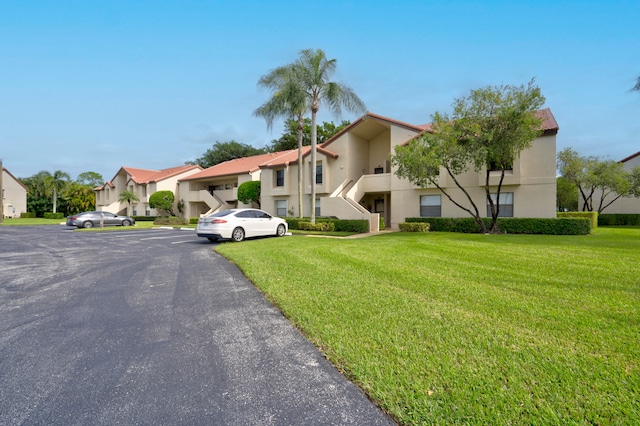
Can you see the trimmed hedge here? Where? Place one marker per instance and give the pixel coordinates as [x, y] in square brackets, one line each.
[318, 226]
[51, 215]
[193, 220]
[414, 226]
[27, 215]
[170, 220]
[592, 216]
[619, 219]
[509, 225]
[144, 218]
[357, 226]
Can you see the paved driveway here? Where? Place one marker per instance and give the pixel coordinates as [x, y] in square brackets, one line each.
[152, 327]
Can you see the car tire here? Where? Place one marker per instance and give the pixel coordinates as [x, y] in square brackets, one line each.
[87, 224]
[280, 231]
[237, 235]
[126, 223]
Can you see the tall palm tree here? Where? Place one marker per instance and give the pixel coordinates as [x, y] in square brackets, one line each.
[313, 73]
[59, 181]
[47, 183]
[127, 196]
[288, 100]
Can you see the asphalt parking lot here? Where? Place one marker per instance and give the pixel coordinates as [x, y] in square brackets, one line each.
[152, 327]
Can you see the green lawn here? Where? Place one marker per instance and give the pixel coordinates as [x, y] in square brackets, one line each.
[444, 328]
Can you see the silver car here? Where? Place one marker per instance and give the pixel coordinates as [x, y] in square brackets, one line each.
[91, 219]
[238, 224]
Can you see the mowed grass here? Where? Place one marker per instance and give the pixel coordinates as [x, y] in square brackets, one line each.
[445, 328]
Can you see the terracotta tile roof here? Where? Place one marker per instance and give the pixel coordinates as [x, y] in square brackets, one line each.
[291, 157]
[237, 166]
[141, 176]
[631, 157]
[144, 176]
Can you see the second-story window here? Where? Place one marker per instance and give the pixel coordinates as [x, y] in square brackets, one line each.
[280, 177]
[319, 173]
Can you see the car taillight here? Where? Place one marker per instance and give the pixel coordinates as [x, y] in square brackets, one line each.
[73, 218]
[218, 221]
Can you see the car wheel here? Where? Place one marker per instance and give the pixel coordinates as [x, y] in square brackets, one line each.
[126, 223]
[87, 224]
[280, 231]
[237, 235]
[212, 239]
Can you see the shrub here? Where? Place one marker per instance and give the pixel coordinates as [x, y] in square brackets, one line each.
[193, 220]
[170, 220]
[381, 223]
[51, 215]
[592, 216]
[509, 225]
[318, 226]
[162, 200]
[144, 218]
[619, 219]
[28, 215]
[414, 226]
[357, 226]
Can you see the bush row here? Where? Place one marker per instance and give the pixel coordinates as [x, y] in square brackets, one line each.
[357, 226]
[51, 215]
[618, 219]
[170, 220]
[592, 216]
[28, 215]
[414, 226]
[511, 225]
[318, 226]
[144, 218]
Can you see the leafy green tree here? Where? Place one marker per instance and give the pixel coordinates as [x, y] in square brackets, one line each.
[128, 197]
[487, 131]
[313, 72]
[598, 180]
[249, 192]
[79, 197]
[91, 179]
[225, 151]
[163, 201]
[566, 195]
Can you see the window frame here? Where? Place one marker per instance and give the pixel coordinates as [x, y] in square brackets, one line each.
[426, 209]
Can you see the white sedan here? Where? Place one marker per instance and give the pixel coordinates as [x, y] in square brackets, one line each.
[238, 224]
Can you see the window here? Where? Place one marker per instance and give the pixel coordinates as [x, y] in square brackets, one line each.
[378, 170]
[506, 204]
[281, 208]
[135, 212]
[494, 166]
[319, 173]
[430, 206]
[280, 178]
[317, 207]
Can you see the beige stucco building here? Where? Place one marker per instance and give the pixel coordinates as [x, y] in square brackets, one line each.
[143, 183]
[14, 195]
[355, 179]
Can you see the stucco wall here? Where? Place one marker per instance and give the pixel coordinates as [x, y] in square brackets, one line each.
[14, 196]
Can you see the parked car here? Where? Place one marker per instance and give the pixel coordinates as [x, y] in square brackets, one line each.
[238, 224]
[91, 219]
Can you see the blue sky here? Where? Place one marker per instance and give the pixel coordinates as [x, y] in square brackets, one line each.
[96, 85]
